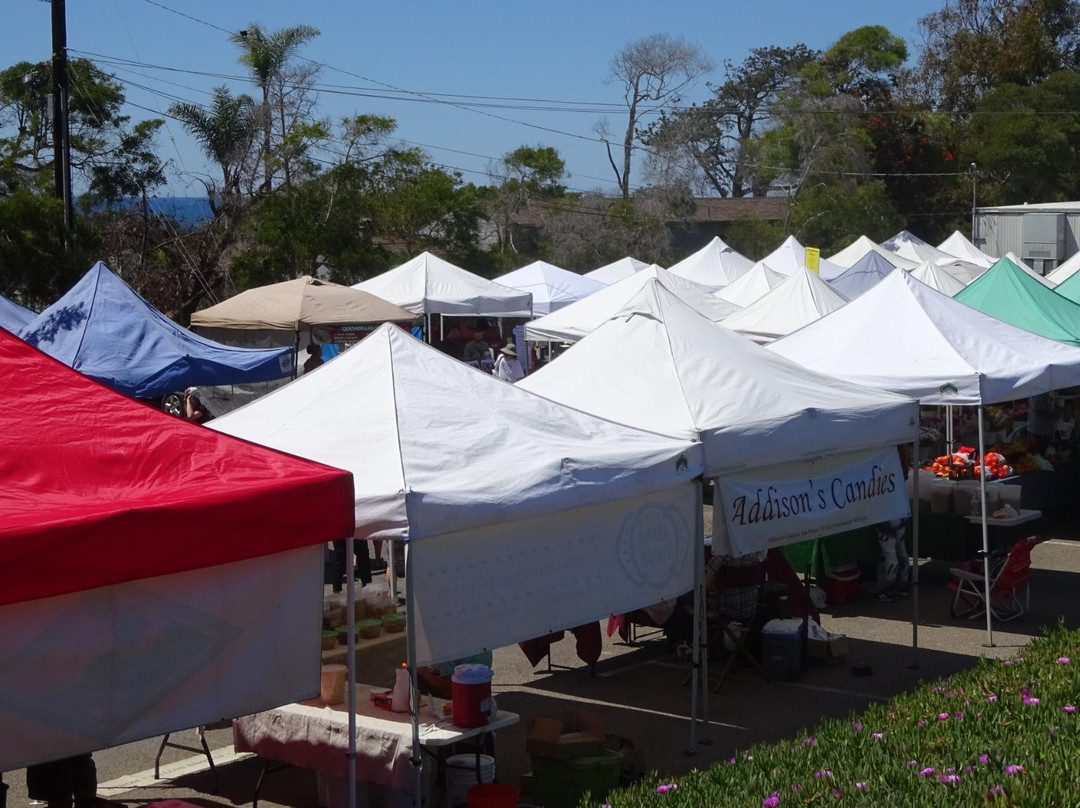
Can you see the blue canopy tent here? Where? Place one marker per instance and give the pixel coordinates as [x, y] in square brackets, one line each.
[864, 274]
[105, 330]
[14, 317]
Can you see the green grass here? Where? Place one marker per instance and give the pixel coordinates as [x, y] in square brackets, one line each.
[998, 734]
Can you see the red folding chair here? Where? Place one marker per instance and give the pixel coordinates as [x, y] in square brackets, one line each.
[1010, 574]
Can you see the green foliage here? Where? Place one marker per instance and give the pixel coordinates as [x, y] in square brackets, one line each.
[536, 170]
[1032, 154]
[831, 215]
[753, 237]
[999, 734]
[863, 63]
[224, 131]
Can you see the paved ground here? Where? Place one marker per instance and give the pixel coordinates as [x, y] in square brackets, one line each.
[641, 695]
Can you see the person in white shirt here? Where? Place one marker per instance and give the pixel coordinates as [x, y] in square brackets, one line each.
[507, 366]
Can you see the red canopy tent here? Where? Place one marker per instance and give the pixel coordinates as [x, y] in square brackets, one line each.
[155, 574]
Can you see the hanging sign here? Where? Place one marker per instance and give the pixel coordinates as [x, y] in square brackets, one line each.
[778, 505]
[342, 334]
[813, 257]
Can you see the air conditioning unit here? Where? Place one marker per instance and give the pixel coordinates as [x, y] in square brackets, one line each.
[1043, 236]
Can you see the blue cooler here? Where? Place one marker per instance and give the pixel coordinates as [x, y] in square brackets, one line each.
[782, 648]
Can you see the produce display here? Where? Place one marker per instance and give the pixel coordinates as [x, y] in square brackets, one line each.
[964, 464]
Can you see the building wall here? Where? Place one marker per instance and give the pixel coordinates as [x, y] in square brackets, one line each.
[999, 232]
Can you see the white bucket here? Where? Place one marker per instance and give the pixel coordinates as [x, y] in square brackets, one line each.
[332, 685]
[461, 776]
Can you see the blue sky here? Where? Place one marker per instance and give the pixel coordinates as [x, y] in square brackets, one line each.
[558, 50]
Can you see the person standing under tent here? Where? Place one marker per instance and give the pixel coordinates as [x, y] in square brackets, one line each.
[314, 357]
[890, 536]
[477, 350]
[64, 783]
[194, 410]
[507, 366]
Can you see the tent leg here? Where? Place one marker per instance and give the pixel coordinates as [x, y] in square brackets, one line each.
[414, 691]
[703, 628]
[915, 543]
[441, 337]
[985, 531]
[296, 356]
[695, 664]
[350, 662]
[427, 329]
[391, 569]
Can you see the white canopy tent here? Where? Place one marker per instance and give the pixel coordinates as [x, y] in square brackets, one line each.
[759, 281]
[428, 285]
[616, 271]
[790, 257]
[852, 253]
[557, 517]
[905, 337]
[937, 278]
[913, 248]
[863, 275]
[577, 320]
[551, 287]
[1048, 282]
[1067, 269]
[715, 265]
[962, 247]
[801, 299]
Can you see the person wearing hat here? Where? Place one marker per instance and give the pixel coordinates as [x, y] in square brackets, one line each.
[507, 366]
[194, 410]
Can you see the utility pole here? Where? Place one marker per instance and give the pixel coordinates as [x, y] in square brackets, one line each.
[61, 139]
[974, 180]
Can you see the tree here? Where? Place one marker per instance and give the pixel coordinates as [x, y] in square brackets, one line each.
[863, 64]
[225, 131]
[525, 174]
[973, 46]
[653, 71]
[268, 55]
[707, 145]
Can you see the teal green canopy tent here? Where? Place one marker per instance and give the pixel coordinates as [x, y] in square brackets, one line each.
[1007, 292]
[1070, 288]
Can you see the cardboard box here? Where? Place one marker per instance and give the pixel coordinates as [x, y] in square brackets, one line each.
[576, 734]
[827, 652]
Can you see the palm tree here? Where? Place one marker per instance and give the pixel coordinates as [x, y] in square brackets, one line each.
[266, 55]
[225, 131]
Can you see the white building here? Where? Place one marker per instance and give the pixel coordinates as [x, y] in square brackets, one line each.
[1043, 235]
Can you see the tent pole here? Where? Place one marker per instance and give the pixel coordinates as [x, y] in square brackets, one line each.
[441, 337]
[699, 551]
[391, 569]
[985, 530]
[414, 690]
[296, 356]
[427, 331]
[350, 661]
[915, 542]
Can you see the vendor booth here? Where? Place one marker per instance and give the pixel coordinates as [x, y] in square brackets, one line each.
[909, 246]
[715, 265]
[581, 318]
[157, 575]
[105, 330]
[905, 337]
[1010, 294]
[801, 299]
[14, 317]
[790, 257]
[551, 287]
[767, 427]
[1067, 269]
[863, 275]
[962, 247]
[520, 516]
[756, 283]
[937, 278]
[856, 250]
[616, 270]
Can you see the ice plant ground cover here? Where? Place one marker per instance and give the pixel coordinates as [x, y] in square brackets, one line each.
[1004, 733]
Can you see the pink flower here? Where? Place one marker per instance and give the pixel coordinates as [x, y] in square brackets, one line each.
[1006, 662]
[823, 773]
[1063, 660]
[996, 791]
[1030, 700]
[943, 717]
[949, 779]
[860, 786]
[912, 763]
[877, 736]
[1069, 708]
[926, 772]
[1013, 768]
[857, 726]
[958, 715]
[837, 792]
[771, 801]
[664, 789]
[984, 759]
[969, 769]
[991, 697]
[796, 788]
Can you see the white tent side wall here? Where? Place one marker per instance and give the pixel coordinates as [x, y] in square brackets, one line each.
[493, 586]
[109, 666]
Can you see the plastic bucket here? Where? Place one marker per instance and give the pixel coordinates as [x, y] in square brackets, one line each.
[461, 776]
[493, 795]
[471, 692]
[332, 684]
[842, 584]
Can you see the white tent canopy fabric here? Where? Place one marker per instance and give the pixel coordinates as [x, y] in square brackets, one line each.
[905, 337]
[616, 271]
[551, 287]
[798, 301]
[790, 257]
[575, 321]
[863, 275]
[660, 365]
[1049, 283]
[910, 246]
[858, 249]
[962, 247]
[483, 500]
[428, 284]
[1067, 269]
[937, 278]
[754, 284]
[715, 265]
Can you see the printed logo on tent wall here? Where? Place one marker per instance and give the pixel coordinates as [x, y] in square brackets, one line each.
[948, 389]
[651, 545]
[771, 507]
[155, 645]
